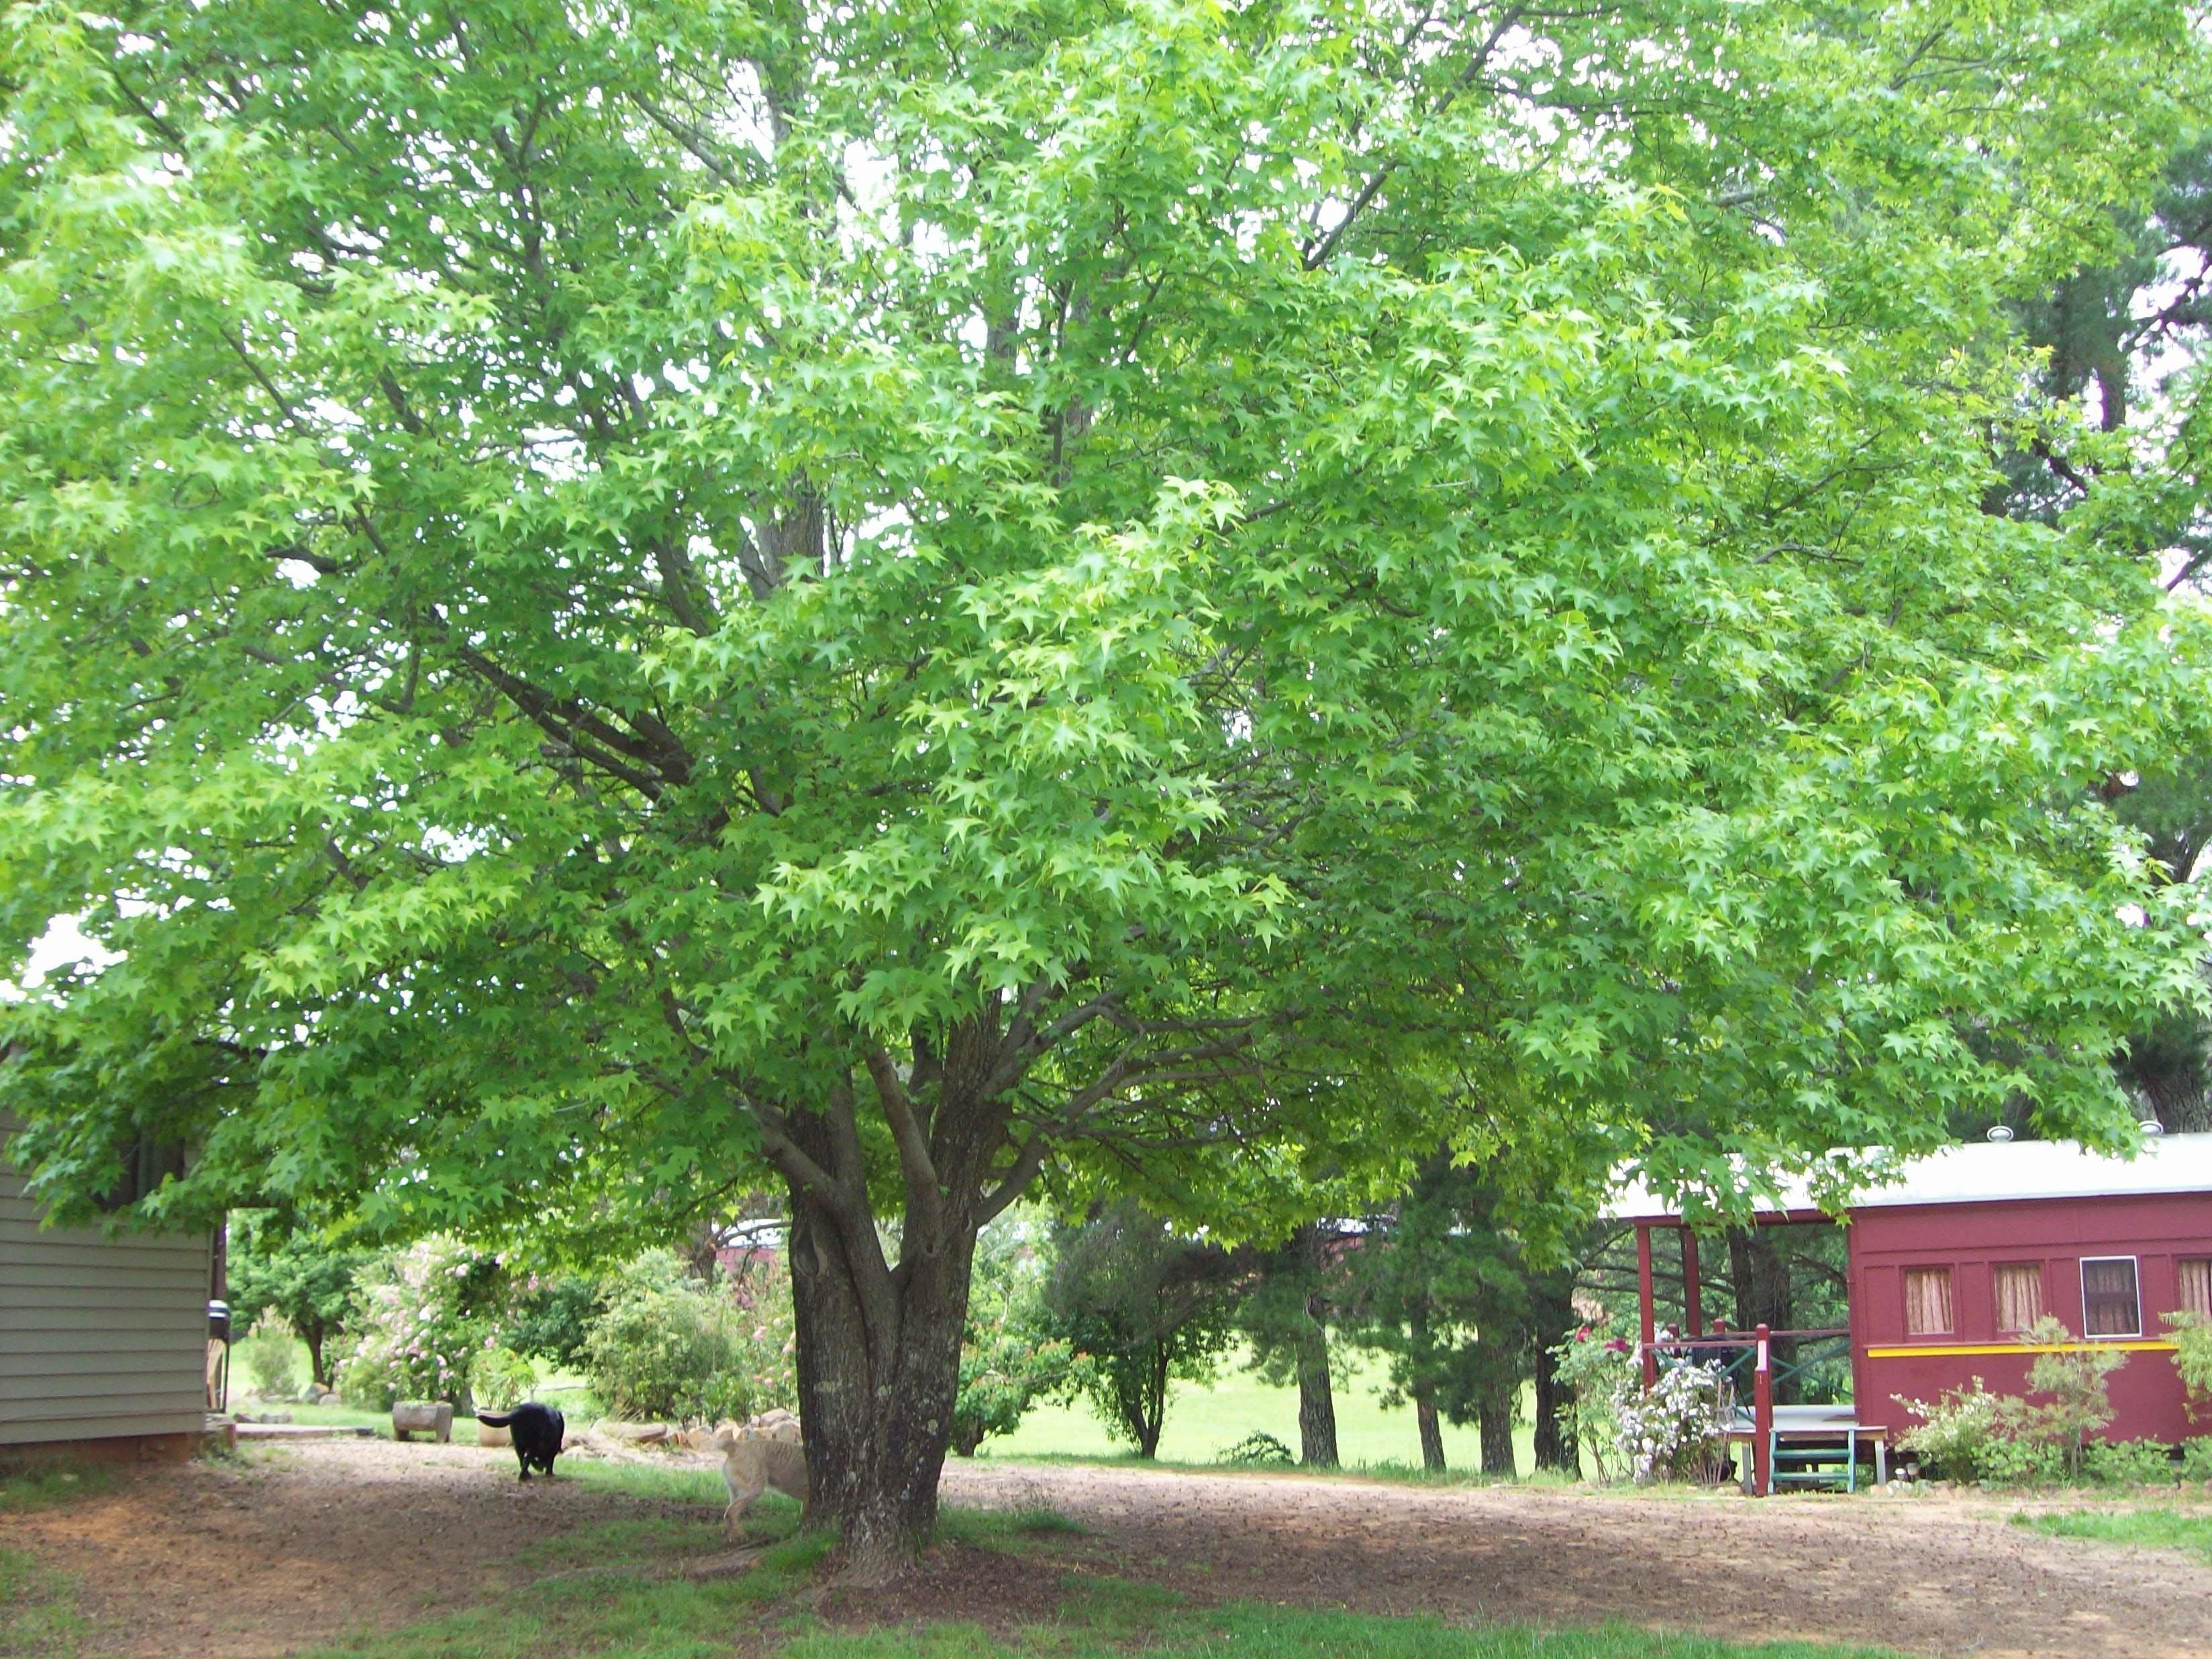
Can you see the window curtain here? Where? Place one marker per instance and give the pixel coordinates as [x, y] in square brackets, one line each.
[2196, 1287]
[2109, 1307]
[2019, 1295]
[1927, 1301]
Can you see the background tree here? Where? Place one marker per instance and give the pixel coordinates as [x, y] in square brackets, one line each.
[1446, 1288]
[603, 604]
[276, 1259]
[2125, 341]
[1285, 1319]
[1142, 1307]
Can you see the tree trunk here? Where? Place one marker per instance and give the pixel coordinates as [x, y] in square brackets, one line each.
[1552, 1305]
[1762, 1296]
[1151, 1413]
[1495, 1413]
[878, 1357]
[311, 1333]
[1316, 1405]
[1432, 1432]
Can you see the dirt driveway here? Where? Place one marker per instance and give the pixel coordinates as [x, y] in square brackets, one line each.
[335, 1536]
[1933, 1574]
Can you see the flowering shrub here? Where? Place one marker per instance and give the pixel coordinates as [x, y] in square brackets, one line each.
[420, 1325]
[1677, 1431]
[764, 1358]
[1009, 1356]
[1958, 1430]
[1595, 1366]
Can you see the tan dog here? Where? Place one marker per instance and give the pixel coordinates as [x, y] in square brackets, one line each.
[764, 1453]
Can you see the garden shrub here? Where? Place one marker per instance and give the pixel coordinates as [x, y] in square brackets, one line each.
[670, 1346]
[1970, 1434]
[765, 1359]
[1595, 1367]
[2021, 1461]
[549, 1317]
[1678, 1430]
[272, 1359]
[500, 1378]
[1958, 1432]
[422, 1316]
[1009, 1359]
[2129, 1463]
[2192, 1358]
[654, 1351]
[2196, 1459]
[1258, 1451]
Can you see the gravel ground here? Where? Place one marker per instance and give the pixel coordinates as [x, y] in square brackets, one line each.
[327, 1537]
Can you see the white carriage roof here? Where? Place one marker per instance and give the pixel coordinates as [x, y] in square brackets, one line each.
[1980, 1172]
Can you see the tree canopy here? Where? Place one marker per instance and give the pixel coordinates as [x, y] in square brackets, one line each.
[600, 600]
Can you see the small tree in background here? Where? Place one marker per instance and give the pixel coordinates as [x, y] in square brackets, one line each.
[550, 1316]
[1445, 1288]
[1143, 1306]
[278, 1263]
[2075, 1377]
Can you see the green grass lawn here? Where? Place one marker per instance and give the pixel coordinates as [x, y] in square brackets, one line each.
[1203, 1422]
[2163, 1528]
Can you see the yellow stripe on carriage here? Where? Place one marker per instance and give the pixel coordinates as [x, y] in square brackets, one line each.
[1936, 1351]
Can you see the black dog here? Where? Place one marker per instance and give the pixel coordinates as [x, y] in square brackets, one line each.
[537, 1431]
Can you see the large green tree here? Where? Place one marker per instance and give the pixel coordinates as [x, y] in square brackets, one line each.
[602, 600]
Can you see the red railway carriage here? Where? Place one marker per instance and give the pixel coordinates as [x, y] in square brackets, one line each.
[1952, 1260]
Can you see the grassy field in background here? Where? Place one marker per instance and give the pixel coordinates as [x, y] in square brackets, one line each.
[1204, 1421]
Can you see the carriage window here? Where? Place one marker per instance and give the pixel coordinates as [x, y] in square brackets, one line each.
[1927, 1301]
[2196, 1286]
[2019, 1286]
[2109, 1306]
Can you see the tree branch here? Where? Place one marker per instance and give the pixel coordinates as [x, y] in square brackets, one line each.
[925, 1196]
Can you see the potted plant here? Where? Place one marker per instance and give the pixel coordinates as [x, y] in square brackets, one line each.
[500, 1379]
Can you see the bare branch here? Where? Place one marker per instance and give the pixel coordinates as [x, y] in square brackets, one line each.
[1319, 254]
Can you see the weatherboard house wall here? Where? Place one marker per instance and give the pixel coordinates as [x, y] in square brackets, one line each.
[103, 1342]
[1952, 1257]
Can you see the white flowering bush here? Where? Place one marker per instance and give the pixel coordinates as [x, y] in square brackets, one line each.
[421, 1321]
[1677, 1431]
